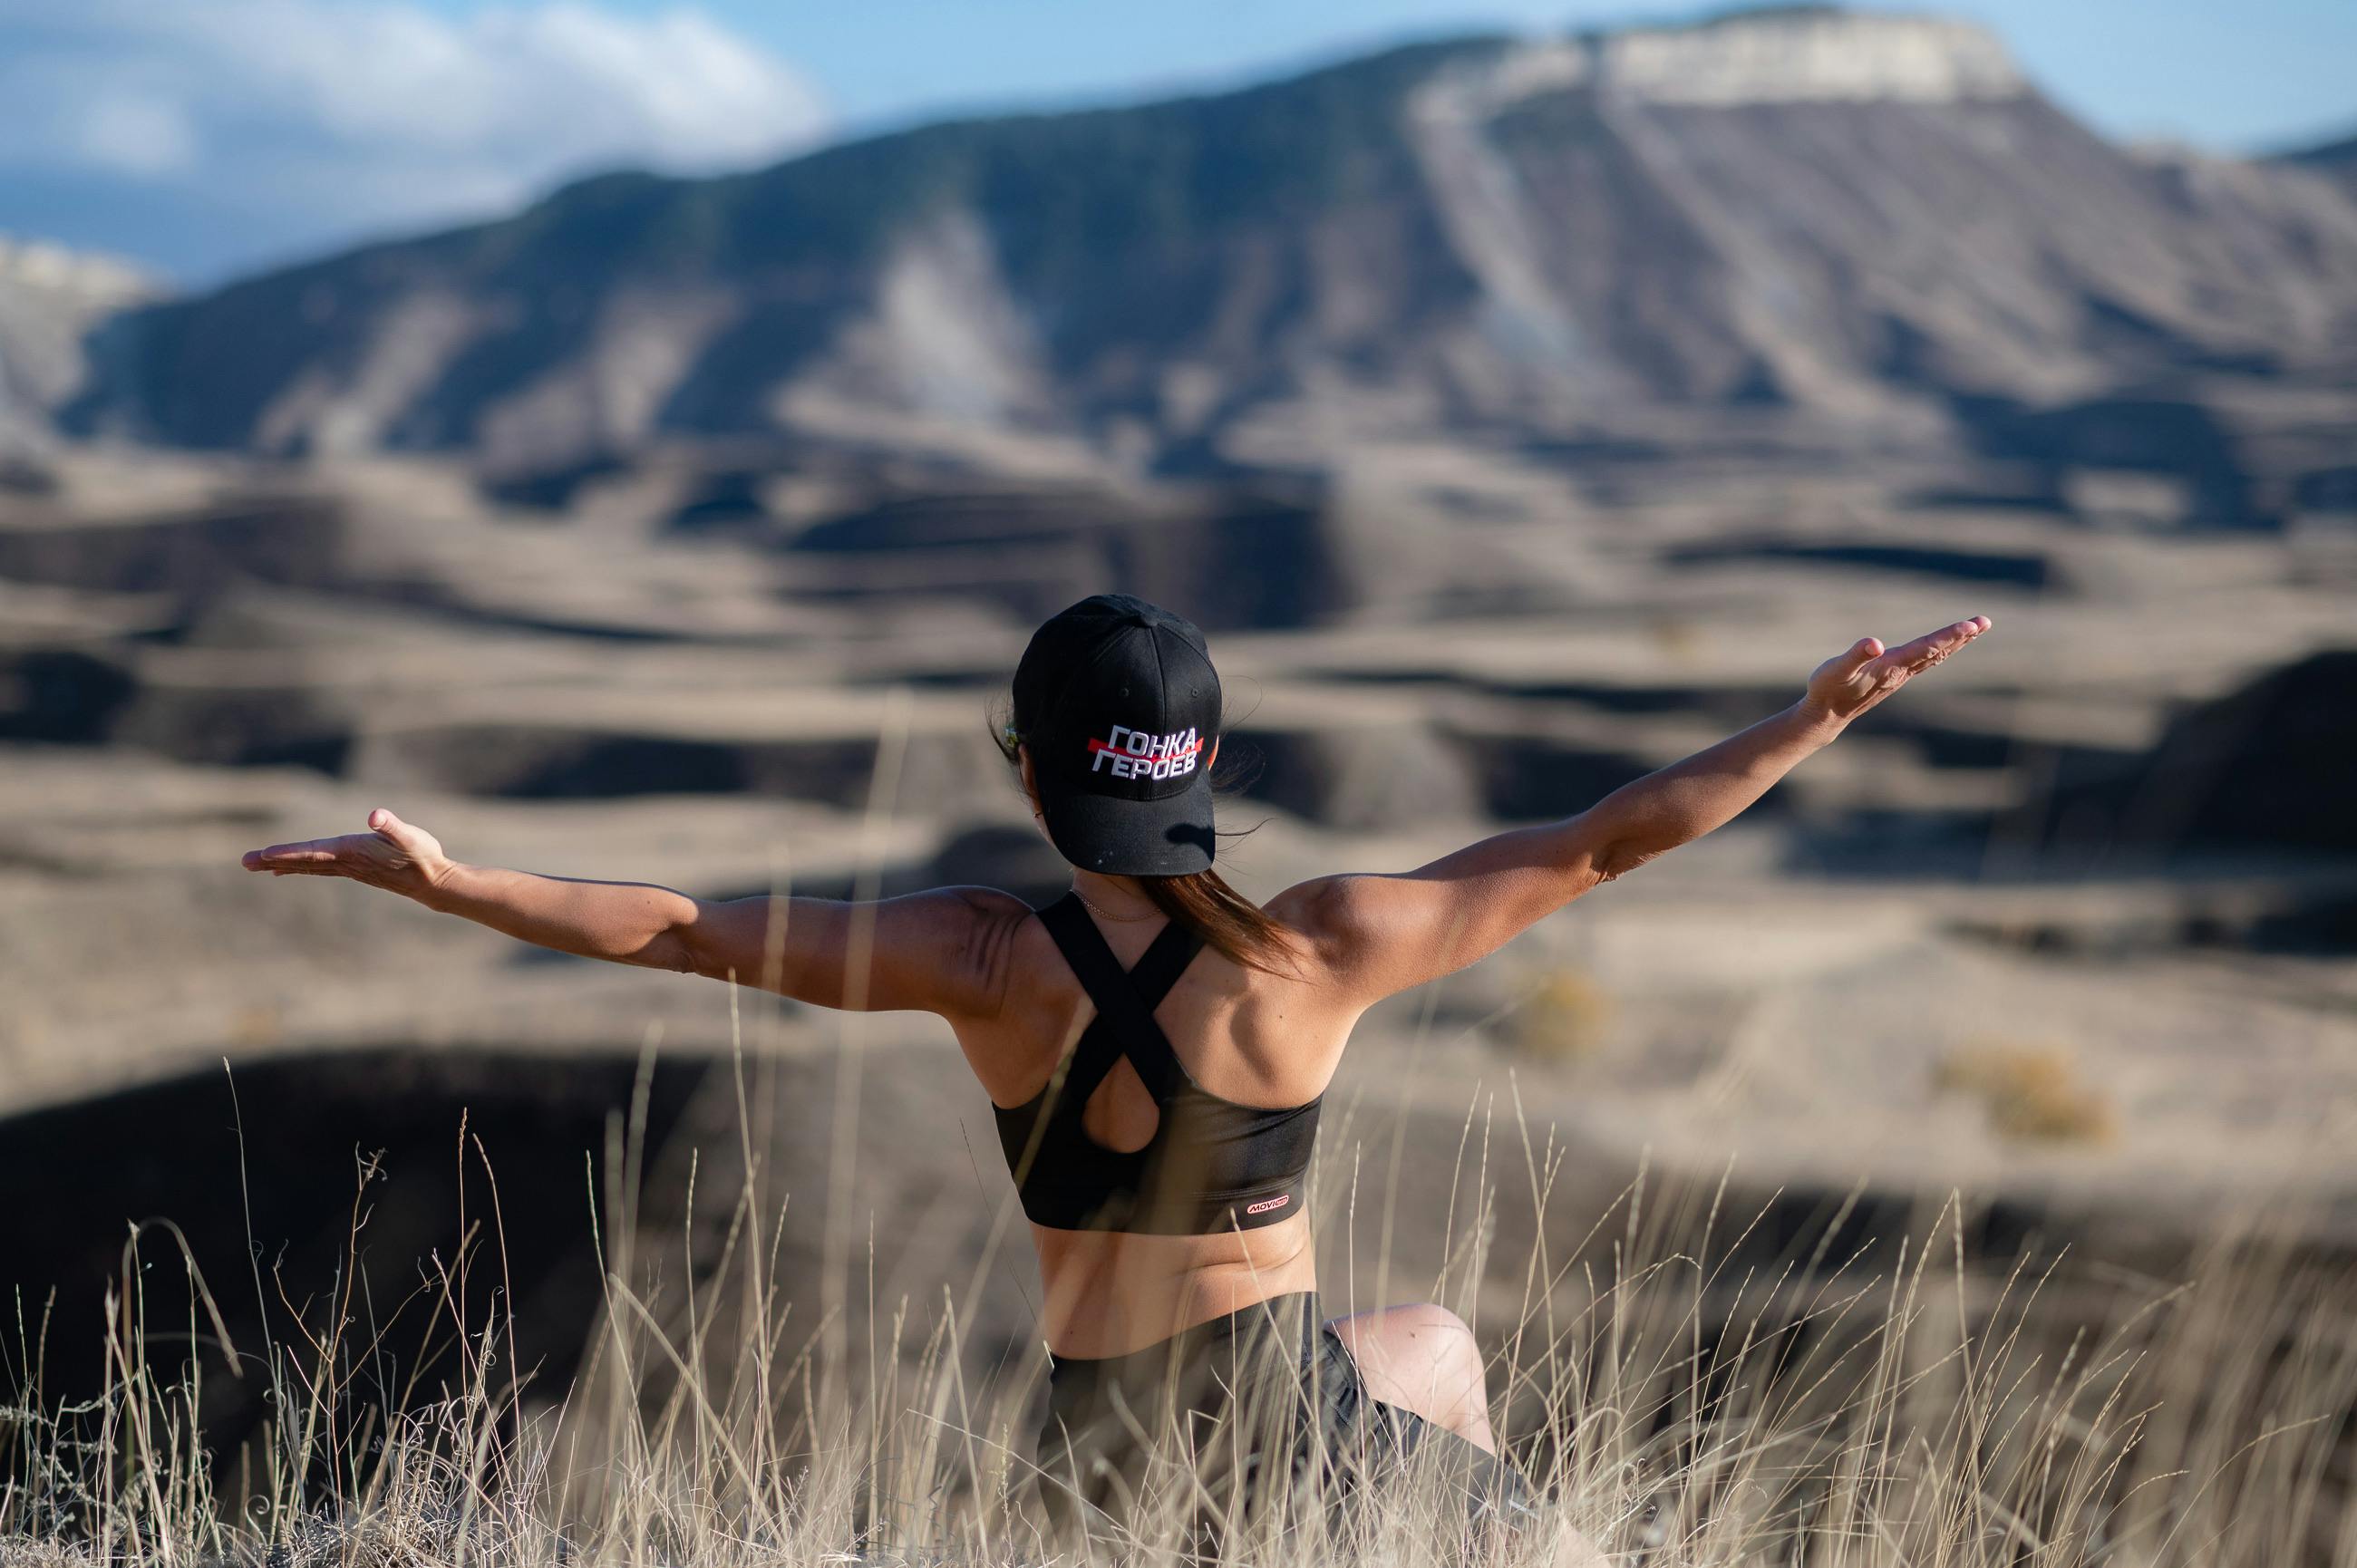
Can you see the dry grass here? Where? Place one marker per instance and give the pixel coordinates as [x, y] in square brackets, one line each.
[1690, 1395]
[2031, 1090]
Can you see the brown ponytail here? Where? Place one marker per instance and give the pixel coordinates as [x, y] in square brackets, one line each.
[1231, 924]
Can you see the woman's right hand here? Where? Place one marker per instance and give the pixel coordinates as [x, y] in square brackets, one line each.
[392, 854]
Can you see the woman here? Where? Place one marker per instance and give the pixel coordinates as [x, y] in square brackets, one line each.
[1154, 1045]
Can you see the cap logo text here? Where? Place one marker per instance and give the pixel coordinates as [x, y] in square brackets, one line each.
[1134, 754]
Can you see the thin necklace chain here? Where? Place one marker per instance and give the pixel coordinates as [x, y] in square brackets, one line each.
[1090, 906]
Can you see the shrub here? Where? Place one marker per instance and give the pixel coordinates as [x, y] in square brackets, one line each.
[2030, 1089]
[1567, 1019]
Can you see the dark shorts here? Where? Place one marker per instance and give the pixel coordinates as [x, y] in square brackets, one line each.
[1256, 1414]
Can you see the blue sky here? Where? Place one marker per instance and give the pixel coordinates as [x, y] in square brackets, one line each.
[2234, 76]
[204, 137]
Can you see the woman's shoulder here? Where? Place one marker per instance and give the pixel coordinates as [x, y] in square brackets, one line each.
[994, 920]
[1323, 914]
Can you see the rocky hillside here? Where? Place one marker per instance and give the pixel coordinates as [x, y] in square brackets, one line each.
[50, 297]
[2334, 160]
[1872, 224]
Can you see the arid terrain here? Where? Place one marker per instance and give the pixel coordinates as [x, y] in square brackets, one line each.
[706, 564]
[1989, 942]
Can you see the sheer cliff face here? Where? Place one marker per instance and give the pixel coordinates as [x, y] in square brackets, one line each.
[1863, 217]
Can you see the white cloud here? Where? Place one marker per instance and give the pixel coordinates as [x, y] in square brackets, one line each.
[381, 113]
[134, 134]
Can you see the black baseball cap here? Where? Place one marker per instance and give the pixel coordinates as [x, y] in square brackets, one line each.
[1123, 707]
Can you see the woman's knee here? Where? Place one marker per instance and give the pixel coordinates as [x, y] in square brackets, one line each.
[1411, 1317]
[1428, 1335]
[1423, 1317]
[1457, 1362]
[1423, 1357]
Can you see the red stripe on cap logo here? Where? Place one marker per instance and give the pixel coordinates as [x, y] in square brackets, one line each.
[1134, 754]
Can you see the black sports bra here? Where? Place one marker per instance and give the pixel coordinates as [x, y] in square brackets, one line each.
[1211, 1164]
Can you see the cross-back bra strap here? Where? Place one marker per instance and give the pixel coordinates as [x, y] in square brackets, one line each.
[1124, 1014]
[1158, 969]
[1099, 1045]
[1151, 978]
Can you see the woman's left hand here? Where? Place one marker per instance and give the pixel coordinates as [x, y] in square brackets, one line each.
[1850, 682]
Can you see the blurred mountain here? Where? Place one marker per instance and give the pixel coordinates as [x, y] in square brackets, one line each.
[2335, 160]
[1863, 224]
[49, 298]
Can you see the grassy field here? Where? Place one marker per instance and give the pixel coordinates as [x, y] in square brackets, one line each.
[1910, 1400]
[1881, 981]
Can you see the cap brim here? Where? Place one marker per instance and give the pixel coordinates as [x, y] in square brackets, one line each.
[1169, 837]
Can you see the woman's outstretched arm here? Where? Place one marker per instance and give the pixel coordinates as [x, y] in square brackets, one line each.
[1383, 934]
[939, 951]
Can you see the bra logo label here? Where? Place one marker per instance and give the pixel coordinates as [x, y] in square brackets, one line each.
[1265, 1204]
[1133, 753]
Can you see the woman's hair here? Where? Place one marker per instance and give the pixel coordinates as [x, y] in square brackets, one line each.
[1238, 928]
[1200, 901]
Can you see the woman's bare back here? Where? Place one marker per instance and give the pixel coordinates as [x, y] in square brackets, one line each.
[1253, 1037]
